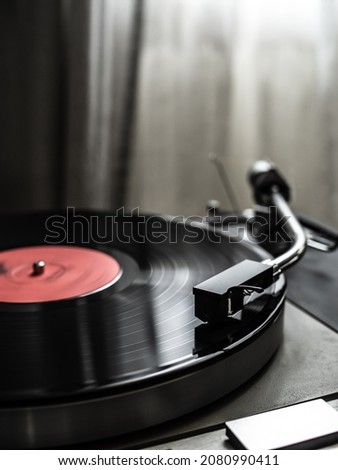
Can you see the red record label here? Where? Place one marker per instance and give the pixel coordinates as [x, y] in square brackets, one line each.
[48, 273]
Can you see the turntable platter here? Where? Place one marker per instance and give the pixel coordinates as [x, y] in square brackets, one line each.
[113, 357]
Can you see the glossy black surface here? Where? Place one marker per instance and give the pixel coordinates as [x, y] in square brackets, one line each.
[133, 355]
[140, 329]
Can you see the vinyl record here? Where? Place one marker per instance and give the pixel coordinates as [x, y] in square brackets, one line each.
[115, 343]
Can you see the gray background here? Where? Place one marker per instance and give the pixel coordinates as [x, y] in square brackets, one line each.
[111, 102]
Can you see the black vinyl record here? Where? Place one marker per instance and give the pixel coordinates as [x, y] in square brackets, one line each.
[132, 354]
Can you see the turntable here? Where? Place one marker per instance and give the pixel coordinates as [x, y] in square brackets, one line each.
[112, 324]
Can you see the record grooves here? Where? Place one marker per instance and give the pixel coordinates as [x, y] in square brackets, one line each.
[113, 356]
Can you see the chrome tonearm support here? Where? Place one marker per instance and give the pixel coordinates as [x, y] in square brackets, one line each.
[223, 295]
[295, 230]
[271, 190]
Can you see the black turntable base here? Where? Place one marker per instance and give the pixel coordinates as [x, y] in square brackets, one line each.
[116, 326]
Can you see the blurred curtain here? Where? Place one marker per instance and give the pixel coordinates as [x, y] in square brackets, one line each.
[245, 79]
[107, 102]
[67, 91]
[30, 107]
